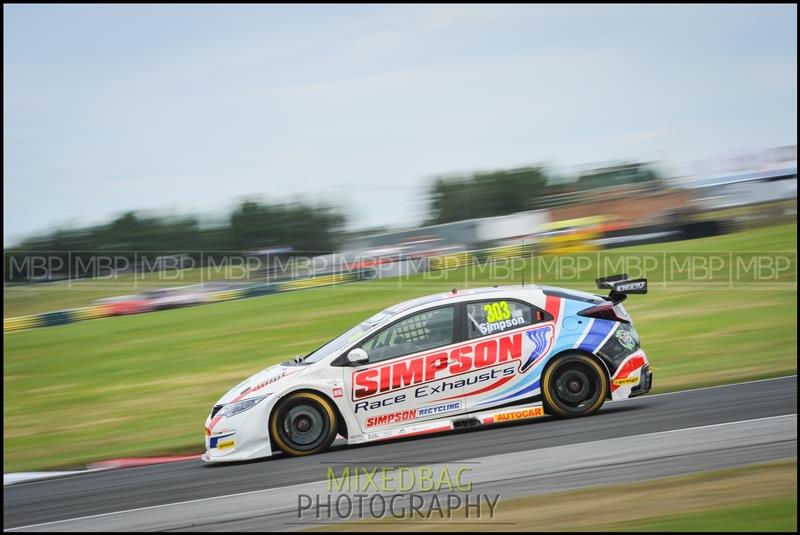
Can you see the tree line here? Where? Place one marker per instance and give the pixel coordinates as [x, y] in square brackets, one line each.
[306, 228]
[494, 193]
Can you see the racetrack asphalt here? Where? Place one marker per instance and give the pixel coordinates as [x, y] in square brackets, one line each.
[96, 493]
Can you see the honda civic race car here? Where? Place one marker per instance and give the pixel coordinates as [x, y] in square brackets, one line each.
[448, 361]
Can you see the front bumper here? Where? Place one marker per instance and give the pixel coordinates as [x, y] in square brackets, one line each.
[241, 437]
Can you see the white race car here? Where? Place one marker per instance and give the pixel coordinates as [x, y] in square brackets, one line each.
[448, 361]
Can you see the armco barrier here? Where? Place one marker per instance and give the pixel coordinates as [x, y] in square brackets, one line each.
[313, 282]
[264, 288]
[225, 295]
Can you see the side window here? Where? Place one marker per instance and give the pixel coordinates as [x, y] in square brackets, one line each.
[490, 317]
[426, 330]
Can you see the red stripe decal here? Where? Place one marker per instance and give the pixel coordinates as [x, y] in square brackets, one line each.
[633, 363]
[214, 421]
[262, 385]
[552, 304]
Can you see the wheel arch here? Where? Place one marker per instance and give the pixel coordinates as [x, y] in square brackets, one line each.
[596, 358]
[341, 423]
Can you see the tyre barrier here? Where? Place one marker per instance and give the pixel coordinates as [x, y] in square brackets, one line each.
[90, 312]
[56, 318]
[21, 322]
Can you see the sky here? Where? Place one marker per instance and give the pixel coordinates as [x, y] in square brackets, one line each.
[190, 109]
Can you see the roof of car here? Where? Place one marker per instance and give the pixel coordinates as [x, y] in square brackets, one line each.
[455, 293]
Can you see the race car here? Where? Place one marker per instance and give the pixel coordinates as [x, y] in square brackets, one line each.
[461, 359]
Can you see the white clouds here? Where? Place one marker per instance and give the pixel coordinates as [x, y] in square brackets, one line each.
[201, 104]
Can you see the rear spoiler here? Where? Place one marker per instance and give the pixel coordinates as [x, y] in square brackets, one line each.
[620, 286]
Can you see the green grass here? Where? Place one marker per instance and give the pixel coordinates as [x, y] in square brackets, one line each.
[773, 515]
[140, 385]
[756, 497]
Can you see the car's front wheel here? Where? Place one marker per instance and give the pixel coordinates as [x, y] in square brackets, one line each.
[303, 424]
[574, 385]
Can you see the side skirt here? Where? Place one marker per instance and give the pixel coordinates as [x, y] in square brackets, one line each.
[478, 419]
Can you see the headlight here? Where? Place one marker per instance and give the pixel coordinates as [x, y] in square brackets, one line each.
[240, 406]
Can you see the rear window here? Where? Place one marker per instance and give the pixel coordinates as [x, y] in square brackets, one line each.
[490, 317]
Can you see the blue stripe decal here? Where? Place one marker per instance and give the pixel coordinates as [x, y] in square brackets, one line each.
[531, 387]
[599, 331]
[212, 443]
[539, 338]
[585, 332]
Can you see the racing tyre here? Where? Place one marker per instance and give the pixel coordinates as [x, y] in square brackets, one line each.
[303, 424]
[574, 385]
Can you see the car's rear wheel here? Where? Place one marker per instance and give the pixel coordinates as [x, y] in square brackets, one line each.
[574, 385]
[303, 424]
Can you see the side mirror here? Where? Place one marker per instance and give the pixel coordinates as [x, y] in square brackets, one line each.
[357, 356]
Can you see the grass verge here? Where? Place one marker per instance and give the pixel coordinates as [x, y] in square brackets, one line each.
[142, 385]
[760, 497]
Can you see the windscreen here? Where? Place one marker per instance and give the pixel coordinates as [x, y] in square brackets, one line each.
[346, 337]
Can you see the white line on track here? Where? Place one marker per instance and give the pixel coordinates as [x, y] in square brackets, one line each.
[16, 478]
[648, 396]
[151, 507]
